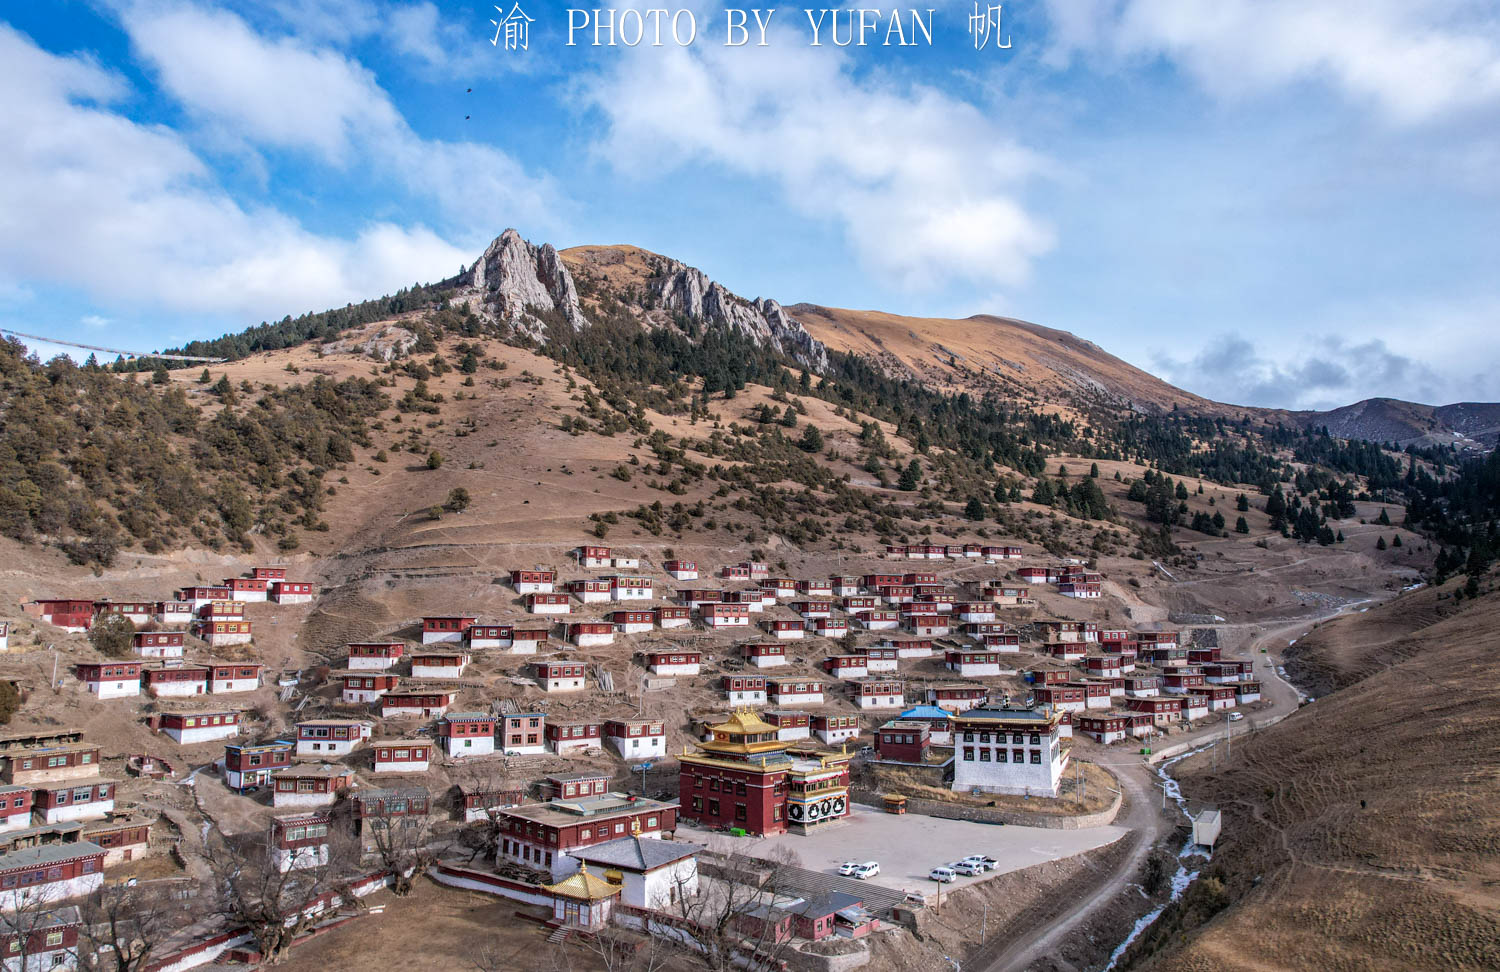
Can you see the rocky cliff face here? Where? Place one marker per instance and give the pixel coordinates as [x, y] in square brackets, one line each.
[515, 280]
[688, 291]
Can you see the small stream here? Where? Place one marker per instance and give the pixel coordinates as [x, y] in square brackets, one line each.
[1190, 854]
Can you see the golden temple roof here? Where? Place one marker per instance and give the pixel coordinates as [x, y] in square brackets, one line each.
[583, 886]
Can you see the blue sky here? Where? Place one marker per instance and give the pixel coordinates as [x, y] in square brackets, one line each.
[1266, 201]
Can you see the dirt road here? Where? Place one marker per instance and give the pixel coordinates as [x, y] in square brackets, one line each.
[1144, 815]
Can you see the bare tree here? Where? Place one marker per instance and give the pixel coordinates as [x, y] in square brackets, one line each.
[276, 906]
[733, 919]
[402, 844]
[26, 916]
[124, 926]
[486, 776]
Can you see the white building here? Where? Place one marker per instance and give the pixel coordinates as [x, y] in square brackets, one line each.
[111, 680]
[299, 841]
[67, 871]
[466, 734]
[1014, 751]
[174, 612]
[433, 665]
[637, 738]
[591, 634]
[880, 693]
[188, 728]
[626, 588]
[835, 729]
[674, 662]
[973, 663]
[331, 737]
[656, 873]
[744, 689]
[88, 799]
[402, 755]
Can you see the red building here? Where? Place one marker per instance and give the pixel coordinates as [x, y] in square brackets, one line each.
[291, 592]
[903, 740]
[541, 835]
[746, 777]
[574, 786]
[445, 628]
[247, 588]
[565, 736]
[250, 766]
[70, 614]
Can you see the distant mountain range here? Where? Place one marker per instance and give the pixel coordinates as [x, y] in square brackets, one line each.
[1467, 425]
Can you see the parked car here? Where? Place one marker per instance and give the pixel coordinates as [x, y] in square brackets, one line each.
[1236, 716]
[979, 861]
[866, 870]
[847, 868]
[943, 875]
[966, 868]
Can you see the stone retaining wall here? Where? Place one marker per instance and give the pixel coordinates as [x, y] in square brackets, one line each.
[996, 815]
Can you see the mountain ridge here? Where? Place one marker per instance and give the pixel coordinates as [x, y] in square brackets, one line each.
[526, 288]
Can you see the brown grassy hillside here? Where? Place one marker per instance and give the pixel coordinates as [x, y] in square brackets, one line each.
[1362, 832]
[996, 352]
[981, 353]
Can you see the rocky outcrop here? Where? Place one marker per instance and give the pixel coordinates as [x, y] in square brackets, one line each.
[688, 291]
[513, 281]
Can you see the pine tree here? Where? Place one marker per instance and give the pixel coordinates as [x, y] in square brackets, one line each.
[205, 378]
[1396, 541]
[1094, 471]
[1276, 509]
[812, 439]
[1242, 503]
[1240, 526]
[1380, 543]
[1043, 494]
[1384, 519]
[911, 477]
[434, 459]
[974, 509]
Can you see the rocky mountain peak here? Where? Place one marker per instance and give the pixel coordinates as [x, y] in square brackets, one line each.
[689, 291]
[515, 279]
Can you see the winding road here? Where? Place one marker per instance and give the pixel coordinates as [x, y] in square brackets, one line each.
[1144, 815]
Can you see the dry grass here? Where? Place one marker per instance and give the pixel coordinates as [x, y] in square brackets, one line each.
[1361, 832]
[1094, 793]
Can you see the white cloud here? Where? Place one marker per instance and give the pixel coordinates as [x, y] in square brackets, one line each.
[126, 212]
[281, 92]
[1326, 373]
[94, 321]
[926, 187]
[1414, 61]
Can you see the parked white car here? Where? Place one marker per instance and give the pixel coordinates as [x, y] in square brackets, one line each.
[943, 875]
[966, 868]
[847, 868]
[866, 870]
[979, 861]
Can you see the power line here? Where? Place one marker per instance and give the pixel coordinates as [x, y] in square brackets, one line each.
[95, 347]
